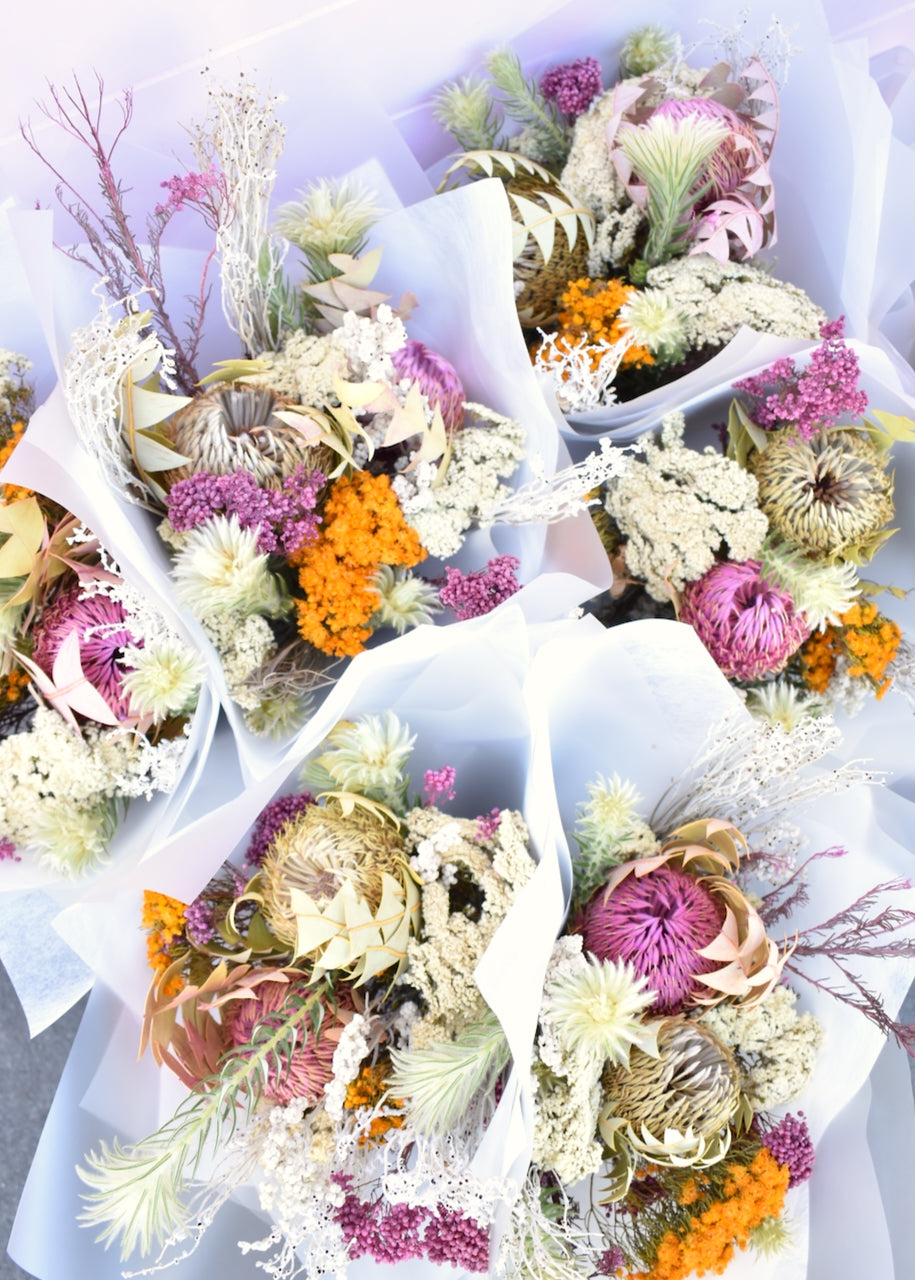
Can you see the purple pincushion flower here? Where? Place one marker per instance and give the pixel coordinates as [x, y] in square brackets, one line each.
[791, 1145]
[103, 634]
[749, 626]
[437, 378]
[658, 922]
[573, 86]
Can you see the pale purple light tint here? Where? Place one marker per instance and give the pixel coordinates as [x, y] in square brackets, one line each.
[284, 518]
[657, 922]
[748, 625]
[438, 784]
[573, 86]
[271, 821]
[100, 623]
[437, 377]
[812, 398]
[791, 1144]
[470, 595]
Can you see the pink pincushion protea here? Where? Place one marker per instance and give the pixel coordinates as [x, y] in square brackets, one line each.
[748, 625]
[311, 1064]
[738, 156]
[437, 378]
[658, 923]
[100, 623]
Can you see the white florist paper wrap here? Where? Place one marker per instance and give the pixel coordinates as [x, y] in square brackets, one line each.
[48, 976]
[454, 255]
[460, 690]
[639, 701]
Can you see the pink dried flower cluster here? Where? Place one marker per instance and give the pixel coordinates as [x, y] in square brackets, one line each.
[573, 86]
[488, 824]
[808, 399]
[196, 189]
[8, 851]
[470, 595]
[437, 377]
[438, 784]
[748, 625]
[391, 1233]
[284, 518]
[791, 1145]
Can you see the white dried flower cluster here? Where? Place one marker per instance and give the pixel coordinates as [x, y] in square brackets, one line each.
[677, 508]
[243, 645]
[776, 1046]
[303, 368]
[12, 368]
[757, 773]
[471, 489]
[440, 966]
[368, 344]
[60, 786]
[717, 298]
[100, 355]
[576, 385]
[902, 671]
[851, 693]
[784, 704]
[352, 1048]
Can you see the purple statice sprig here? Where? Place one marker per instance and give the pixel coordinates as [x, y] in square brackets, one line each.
[573, 86]
[438, 784]
[129, 265]
[791, 1145]
[813, 398]
[396, 1232]
[470, 595]
[284, 518]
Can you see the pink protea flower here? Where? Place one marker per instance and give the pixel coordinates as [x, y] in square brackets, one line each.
[748, 625]
[739, 155]
[311, 1065]
[437, 378]
[659, 923]
[103, 633]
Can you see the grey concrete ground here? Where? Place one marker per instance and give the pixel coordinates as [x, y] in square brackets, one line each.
[29, 1071]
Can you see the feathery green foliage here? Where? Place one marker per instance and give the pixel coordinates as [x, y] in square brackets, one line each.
[466, 110]
[523, 101]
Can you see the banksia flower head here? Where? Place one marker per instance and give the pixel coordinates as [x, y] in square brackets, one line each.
[337, 888]
[830, 494]
[749, 626]
[674, 1108]
[101, 625]
[683, 923]
[437, 377]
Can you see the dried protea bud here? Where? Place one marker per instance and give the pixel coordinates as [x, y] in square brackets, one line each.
[437, 377]
[830, 494]
[337, 889]
[674, 1108]
[235, 427]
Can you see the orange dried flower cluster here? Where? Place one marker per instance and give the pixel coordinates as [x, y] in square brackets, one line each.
[163, 920]
[12, 492]
[753, 1193]
[363, 528]
[13, 685]
[590, 309]
[867, 639]
[367, 1090]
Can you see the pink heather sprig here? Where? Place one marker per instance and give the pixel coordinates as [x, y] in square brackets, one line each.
[271, 821]
[470, 595]
[610, 1261]
[573, 86]
[808, 399]
[197, 190]
[791, 1145]
[488, 825]
[8, 851]
[438, 784]
[284, 518]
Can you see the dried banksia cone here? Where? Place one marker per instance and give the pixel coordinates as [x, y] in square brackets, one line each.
[830, 494]
[337, 890]
[552, 231]
[674, 1108]
[235, 427]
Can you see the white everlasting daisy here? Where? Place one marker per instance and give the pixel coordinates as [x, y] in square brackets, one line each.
[367, 755]
[598, 1011]
[165, 678]
[405, 600]
[219, 570]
